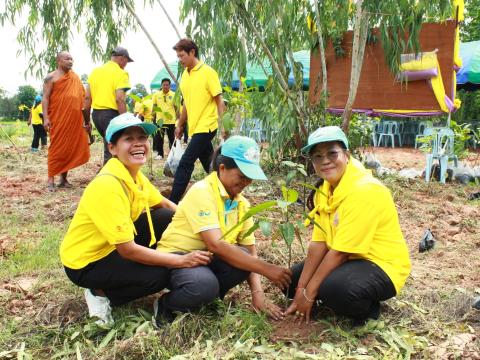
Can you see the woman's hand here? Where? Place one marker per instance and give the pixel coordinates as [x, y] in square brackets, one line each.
[301, 306]
[261, 304]
[282, 277]
[195, 258]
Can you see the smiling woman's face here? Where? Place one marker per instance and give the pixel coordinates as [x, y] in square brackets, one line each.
[131, 148]
[330, 161]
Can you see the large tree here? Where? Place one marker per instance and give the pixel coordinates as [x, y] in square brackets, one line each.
[25, 98]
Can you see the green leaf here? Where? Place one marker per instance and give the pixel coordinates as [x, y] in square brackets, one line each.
[290, 176]
[289, 163]
[106, 340]
[289, 195]
[288, 233]
[251, 230]
[266, 228]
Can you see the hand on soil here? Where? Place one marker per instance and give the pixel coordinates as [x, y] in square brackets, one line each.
[300, 307]
[260, 303]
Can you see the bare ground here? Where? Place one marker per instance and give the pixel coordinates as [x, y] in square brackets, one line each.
[441, 286]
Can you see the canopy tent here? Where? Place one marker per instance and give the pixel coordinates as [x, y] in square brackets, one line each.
[163, 73]
[256, 74]
[468, 77]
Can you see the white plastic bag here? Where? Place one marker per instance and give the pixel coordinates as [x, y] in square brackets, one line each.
[173, 159]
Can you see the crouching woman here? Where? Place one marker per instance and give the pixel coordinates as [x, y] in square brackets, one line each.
[357, 256]
[109, 248]
[205, 220]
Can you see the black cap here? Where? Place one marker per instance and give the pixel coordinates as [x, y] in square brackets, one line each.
[120, 51]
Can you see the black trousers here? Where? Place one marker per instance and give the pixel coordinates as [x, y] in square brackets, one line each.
[354, 289]
[39, 134]
[200, 147]
[124, 280]
[159, 136]
[101, 118]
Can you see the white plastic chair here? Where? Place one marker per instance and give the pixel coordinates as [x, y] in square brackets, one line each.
[390, 130]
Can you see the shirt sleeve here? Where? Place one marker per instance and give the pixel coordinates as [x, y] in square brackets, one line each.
[123, 82]
[200, 210]
[358, 218]
[109, 210]
[213, 84]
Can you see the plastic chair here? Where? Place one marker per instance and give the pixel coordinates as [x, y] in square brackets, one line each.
[420, 132]
[443, 142]
[377, 130]
[390, 130]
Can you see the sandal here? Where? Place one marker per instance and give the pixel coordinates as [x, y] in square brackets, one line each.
[51, 187]
[65, 184]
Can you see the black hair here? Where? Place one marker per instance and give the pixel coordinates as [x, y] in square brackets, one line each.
[311, 196]
[117, 136]
[186, 45]
[218, 159]
[166, 79]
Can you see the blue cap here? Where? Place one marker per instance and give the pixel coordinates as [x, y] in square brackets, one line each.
[246, 154]
[127, 120]
[38, 98]
[325, 134]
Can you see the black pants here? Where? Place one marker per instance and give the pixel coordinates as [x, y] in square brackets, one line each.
[354, 289]
[200, 147]
[160, 134]
[101, 119]
[39, 134]
[124, 280]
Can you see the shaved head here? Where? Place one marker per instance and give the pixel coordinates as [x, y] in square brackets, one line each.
[64, 61]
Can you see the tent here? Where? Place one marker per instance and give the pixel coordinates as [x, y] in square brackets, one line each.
[468, 77]
[256, 74]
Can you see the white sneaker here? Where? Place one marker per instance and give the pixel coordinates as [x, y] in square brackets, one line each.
[99, 306]
[158, 157]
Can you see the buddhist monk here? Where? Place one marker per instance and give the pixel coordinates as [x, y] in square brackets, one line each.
[63, 101]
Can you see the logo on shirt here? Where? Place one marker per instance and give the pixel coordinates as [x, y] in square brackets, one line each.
[203, 213]
[335, 219]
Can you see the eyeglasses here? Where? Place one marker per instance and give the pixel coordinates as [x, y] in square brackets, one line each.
[330, 155]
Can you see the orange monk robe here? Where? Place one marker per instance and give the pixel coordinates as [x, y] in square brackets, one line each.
[68, 138]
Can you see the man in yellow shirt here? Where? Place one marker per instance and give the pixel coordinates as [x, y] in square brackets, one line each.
[203, 107]
[106, 93]
[145, 111]
[167, 117]
[36, 120]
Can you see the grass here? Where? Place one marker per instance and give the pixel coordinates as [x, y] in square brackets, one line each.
[43, 315]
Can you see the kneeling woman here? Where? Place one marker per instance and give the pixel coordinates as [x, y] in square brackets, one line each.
[109, 248]
[203, 219]
[357, 256]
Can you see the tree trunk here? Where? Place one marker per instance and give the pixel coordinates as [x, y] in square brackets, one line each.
[134, 14]
[254, 30]
[322, 53]
[170, 19]
[359, 41]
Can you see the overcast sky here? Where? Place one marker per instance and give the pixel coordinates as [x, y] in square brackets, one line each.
[142, 70]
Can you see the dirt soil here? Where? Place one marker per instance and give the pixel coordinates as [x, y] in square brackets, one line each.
[453, 264]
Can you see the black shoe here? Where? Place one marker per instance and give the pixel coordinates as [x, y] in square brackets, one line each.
[161, 316]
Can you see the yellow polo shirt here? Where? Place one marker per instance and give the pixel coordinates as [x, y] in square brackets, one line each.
[104, 81]
[200, 211]
[105, 214]
[199, 87]
[137, 107]
[36, 111]
[360, 218]
[146, 110]
[166, 105]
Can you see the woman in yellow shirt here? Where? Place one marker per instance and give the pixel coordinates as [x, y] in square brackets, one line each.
[357, 256]
[205, 220]
[36, 120]
[109, 245]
